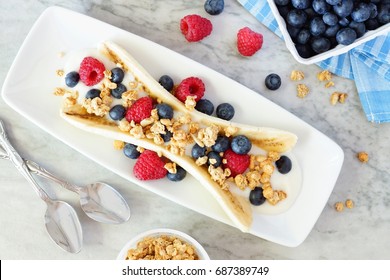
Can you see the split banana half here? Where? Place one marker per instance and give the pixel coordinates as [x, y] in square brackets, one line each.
[237, 208]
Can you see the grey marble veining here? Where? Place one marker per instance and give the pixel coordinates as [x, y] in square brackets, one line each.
[359, 233]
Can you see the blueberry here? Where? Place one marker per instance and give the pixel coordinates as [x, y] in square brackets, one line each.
[331, 31]
[374, 10]
[198, 151]
[333, 2]
[344, 22]
[131, 151]
[372, 24]
[92, 93]
[241, 144]
[293, 31]
[221, 144]
[296, 18]
[320, 6]
[283, 10]
[303, 36]
[361, 13]
[164, 111]
[205, 106]
[118, 91]
[273, 81]
[166, 82]
[384, 13]
[214, 159]
[225, 111]
[256, 196]
[344, 8]
[283, 164]
[346, 36]
[300, 4]
[282, 2]
[304, 51]
[117, 75]
[167, 136]
[330, 19]
[317, 26]
[178, 176]
[359, 27]
[72, 79]
[310, 12]
[214, 7]
[117, 112]
[320, 44]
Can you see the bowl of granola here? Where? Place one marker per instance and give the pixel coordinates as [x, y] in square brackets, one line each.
[163, 244]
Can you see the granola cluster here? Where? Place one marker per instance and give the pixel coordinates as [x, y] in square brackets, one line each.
[162, 247]
[339, 206]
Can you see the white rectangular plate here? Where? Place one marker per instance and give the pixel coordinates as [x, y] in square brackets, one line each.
[29, 86]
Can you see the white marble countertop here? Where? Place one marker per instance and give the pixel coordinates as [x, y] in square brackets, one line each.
[358, 233]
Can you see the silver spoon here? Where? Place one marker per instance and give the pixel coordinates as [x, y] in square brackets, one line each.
[61, 219]
[99, 201]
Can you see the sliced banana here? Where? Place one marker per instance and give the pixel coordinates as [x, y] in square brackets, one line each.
[237, 208]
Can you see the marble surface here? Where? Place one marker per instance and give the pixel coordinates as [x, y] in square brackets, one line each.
[359, 233]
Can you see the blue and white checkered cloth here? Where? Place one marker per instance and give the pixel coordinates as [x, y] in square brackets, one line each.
[367, 64]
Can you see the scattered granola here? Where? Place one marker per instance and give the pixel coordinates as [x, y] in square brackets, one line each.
[329, 84]
[118, 144]
[60, 72]
[162, 247]
[297, 75]
[302, 90]
[324, 76]
[338, 97]
[339, 206]
[349, 203]
[363, 157]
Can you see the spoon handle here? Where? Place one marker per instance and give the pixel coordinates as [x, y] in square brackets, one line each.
[39, 170]
[19, 163]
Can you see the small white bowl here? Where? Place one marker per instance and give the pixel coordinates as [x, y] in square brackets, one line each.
[132, 244]
[340, 49]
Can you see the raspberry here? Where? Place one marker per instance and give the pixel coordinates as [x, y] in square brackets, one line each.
[248, 41]
[149, 166]
[190, 86]
[235, 162]
[195, 27]
[91, 71]
[140, 110]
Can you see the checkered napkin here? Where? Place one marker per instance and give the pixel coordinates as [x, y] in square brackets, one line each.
[367, 64]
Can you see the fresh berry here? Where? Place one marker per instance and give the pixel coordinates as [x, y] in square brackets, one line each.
[214, 7]
[131, 151]
[178, 176]
[149, 166]
[248, 41]
[304, 51]
[225, 111]
[344, 8]
[164, 111]
[330, 19]
[283, 164]
[301, 4]
[198, 151]
[118, 91]
[241, 144]
[117, 112]
[140, 110]
[320, 6]
[214, 159]
[190, 86]
[222, 143]
[91, 71]
[317, 26]
[331, 31]
[195, 27]
[296, 18]
[361, 13]
[344, 22]
[303, 36]
[282, 2]
[167, 136]
[92, 93]
[359, 27]
[166, 82]
[117, 75]
[237, 164]
[346, 36]
[205, 106]
[273, 81]
[72, 79]
[320, 44]
[384, 13]
[256, 196]
[333, 2]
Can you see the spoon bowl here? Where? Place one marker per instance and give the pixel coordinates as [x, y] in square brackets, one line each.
[103, 203]
[61, 222]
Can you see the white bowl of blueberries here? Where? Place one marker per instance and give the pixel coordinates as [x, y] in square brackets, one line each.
[315, 30]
